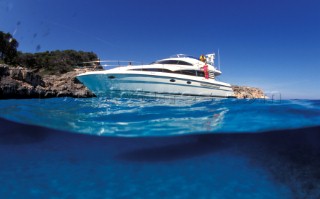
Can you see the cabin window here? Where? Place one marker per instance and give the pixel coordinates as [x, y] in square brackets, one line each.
[187, 72]
[153, 70]
[176, 62]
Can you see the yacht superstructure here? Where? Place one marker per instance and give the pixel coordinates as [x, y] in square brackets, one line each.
[177, 75]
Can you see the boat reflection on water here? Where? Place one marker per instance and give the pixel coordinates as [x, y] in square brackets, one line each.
[159, 114]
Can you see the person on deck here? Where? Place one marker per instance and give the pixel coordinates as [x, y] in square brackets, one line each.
[202, 58]
[206, 71]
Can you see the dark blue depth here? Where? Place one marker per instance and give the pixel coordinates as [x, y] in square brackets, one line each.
[42, 163]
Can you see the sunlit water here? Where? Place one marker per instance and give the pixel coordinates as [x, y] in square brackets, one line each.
[159, 148]
[162, 116]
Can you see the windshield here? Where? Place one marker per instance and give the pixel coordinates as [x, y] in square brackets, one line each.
[176, 62]
[182, 56]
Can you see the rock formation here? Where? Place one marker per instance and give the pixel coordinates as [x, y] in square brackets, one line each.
[18, 82]
[244, 92]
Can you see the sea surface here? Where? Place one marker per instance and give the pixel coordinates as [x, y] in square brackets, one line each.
[165, 116]
[161, 147]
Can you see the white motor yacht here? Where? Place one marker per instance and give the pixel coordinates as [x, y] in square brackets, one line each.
[177, 75]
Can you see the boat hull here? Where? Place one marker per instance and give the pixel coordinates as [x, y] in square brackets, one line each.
[104, 84]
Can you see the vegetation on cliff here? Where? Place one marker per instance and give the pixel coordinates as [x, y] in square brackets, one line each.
[8, 48]
[49, 62]
[55, 62]
[42, 74]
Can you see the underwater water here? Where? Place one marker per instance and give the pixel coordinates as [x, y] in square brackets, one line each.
[159, 148]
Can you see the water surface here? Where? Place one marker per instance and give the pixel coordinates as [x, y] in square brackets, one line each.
[162, 116]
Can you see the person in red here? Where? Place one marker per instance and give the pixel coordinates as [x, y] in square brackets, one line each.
[206, 71]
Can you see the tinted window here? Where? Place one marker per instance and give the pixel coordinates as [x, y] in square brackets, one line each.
[184, 63]
[153, 70]
[177, 62]
[187, 72]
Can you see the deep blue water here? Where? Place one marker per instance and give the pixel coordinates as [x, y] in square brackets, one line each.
[159, 148]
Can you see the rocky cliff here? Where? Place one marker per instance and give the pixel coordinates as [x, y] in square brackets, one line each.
[18, 82]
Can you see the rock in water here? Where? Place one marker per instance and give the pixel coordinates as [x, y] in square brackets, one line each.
[246, 92]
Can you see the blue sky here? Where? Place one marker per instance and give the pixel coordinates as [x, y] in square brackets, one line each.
[274, 45]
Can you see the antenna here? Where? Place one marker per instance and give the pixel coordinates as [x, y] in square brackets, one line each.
[219, 59]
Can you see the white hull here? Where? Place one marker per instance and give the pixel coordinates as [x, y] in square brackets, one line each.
[103, 83]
